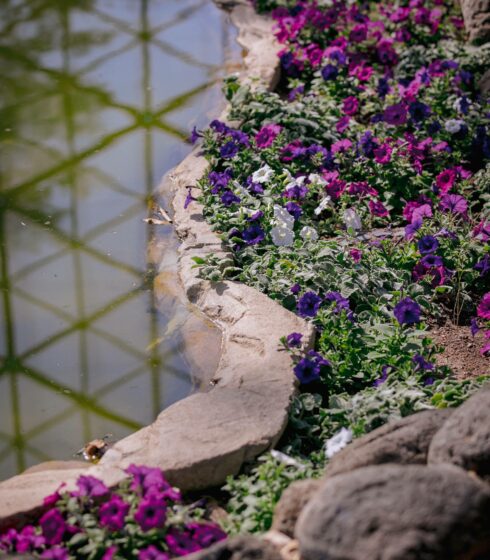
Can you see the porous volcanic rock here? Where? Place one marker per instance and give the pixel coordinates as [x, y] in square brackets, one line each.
[464, 439]
[405, 441]
[292, 502]
[394, 512]
[239, 548]
[476, 15]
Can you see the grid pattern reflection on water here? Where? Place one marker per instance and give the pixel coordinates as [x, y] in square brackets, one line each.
[96, 101]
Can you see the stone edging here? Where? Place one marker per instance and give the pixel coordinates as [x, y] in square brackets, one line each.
[205, 437]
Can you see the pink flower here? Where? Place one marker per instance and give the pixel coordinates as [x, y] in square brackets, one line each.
[350, 105]
[356, 255]
[341, 146]
[483, 309]
[382, 154]
[151, 512]
[445, 180]
[362, 73]
[109, 553]
[266, 135]
[113, 512]
[377, 208]
[482, 231]
[343, 124]
[53, 527]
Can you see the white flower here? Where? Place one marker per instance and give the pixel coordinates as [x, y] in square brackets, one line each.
[297, 182]
[309, 234]
[263, 174]
[316, 179]
[283, 217]
[287, 460]
[453, 125]
[458, 102]
[238, 189]
[323, 204]
[282, 236]
[337, 442]
[352, 220]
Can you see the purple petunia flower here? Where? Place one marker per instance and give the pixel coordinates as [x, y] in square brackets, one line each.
[228, 198]
[384, 376]
[329, 72]
[474, 328]
[112, 513]
[195, 135]
[28, 540]
[189, 198]
[382, 154]
[91, 487]
[419, 111]
[294, 209]
[421, 364]
[53, 527]
[228, 150]
[253, 235]
[407, 312]
[293, 340]
[307, 371]
[295, 289]
[454, 203]
[377, 208]
[220, 180]
[429, 261]
[148, 480]
[308, 304]
[218, 126]
[483, 266]
[152, 553]
[395, 114]
[151, 512]
[427, 244]
[341, 303]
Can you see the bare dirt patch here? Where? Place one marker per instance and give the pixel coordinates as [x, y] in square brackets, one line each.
[461, 350]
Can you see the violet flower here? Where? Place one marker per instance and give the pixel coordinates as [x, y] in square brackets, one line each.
[307, 371]
[395, 114]
[407, 311]
[427, 244]
[308, 304]
[151, 512]
[483, 309]
[152, 553]
[91, 487]
[112, 513]
[293, 340]
[53, 527]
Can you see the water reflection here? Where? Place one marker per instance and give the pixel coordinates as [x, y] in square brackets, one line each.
[96, 101]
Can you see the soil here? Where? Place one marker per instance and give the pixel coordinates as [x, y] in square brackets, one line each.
[461, 351]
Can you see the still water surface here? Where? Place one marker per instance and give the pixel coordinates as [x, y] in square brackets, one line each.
[97, 98]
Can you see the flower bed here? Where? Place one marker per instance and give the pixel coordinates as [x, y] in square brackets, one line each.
[358, 195]
[143, 518]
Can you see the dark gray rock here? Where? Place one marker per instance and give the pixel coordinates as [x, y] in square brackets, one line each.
[394, 512]
[292, 501]
[464, 439]
[404, 441]
[476, 15]
[238, 548]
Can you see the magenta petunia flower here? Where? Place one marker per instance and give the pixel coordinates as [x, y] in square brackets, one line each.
[151, 512]
[382, 154]
[110, 553]
[152, 553]
[28, 540]
[445, 180]
[356, 255]
[55, 553]
[206, 534]
[377, 208]
[112, 513]
[350, 105]
[180, 543]
[53, 527]
[266, 135]
[91, 487]
[483, 309]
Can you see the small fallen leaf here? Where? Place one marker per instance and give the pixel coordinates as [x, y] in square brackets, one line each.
[155, 221]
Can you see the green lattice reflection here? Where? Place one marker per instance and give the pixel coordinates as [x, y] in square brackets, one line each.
[96, 101]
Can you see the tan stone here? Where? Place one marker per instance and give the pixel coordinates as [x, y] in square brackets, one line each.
[476, 15]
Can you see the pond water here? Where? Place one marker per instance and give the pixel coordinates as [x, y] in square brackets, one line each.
[97, 99]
